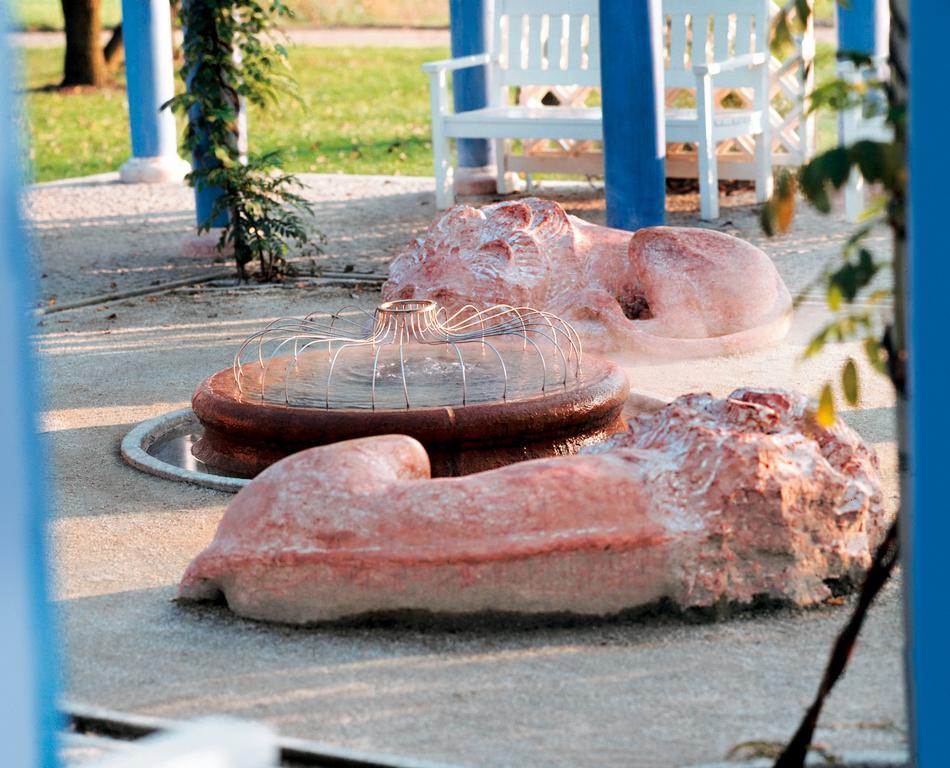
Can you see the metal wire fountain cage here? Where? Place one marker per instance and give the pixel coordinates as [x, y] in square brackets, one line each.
[478, 388]
[408, 354]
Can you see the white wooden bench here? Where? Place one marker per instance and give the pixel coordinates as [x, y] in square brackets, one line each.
[552, 46]
[558, 45]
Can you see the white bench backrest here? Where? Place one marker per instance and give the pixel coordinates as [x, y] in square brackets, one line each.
[697, 32]
[546, 42]
[557, 42]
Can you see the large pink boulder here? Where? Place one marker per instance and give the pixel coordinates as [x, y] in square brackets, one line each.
[704, 501]
[663, 292]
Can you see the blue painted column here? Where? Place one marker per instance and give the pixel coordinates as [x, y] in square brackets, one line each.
[863, 26]
[926, 525]
[28, 719]
[205, 196]
[202, 158]
[470, 34]
[146, 31]
[631, 74]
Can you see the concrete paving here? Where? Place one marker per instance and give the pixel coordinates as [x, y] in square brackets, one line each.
[98, 236]
[657, 691]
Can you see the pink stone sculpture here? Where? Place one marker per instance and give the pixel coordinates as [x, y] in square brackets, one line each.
[662, 292]
[705, 501]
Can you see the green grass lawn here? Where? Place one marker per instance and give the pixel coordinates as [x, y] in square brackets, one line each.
[71, 134]
[48, 14]
[364, 110]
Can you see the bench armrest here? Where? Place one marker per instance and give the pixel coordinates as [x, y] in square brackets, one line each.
[438, 72]
[462, 62]
[746, 61]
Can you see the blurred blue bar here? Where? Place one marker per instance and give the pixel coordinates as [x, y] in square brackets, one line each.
[632, 93]
[926, 521]
[469, 34]
[28, 668]
[863, 26]
[146, 32]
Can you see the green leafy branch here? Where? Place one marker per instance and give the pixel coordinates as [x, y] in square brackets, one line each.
[857, 308]
[849, 284]
[235, 54]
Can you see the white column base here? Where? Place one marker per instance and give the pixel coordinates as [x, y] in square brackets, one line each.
[204, 247]
[154, 170]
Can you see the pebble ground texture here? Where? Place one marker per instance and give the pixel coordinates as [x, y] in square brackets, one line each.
[653, 691]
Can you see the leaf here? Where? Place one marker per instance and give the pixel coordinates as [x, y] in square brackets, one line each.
[849, 381]
[867, 267]
[876, 355]
[825, 415]
[835, 95]
[812, 180]
[836, 165]
[834, 297]
[817, 343]
[877, 161]
[856, 237]
[845, 280]
[781, 35]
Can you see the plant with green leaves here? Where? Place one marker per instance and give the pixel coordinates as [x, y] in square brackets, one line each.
[855, 303]
[857, 306]
[234, 53]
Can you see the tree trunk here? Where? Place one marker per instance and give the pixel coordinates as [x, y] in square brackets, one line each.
[114, 50]
[84, 63]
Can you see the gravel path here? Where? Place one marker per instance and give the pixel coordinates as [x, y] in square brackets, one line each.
[96, 235]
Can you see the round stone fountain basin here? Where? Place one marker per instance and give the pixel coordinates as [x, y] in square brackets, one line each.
[243, 435]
